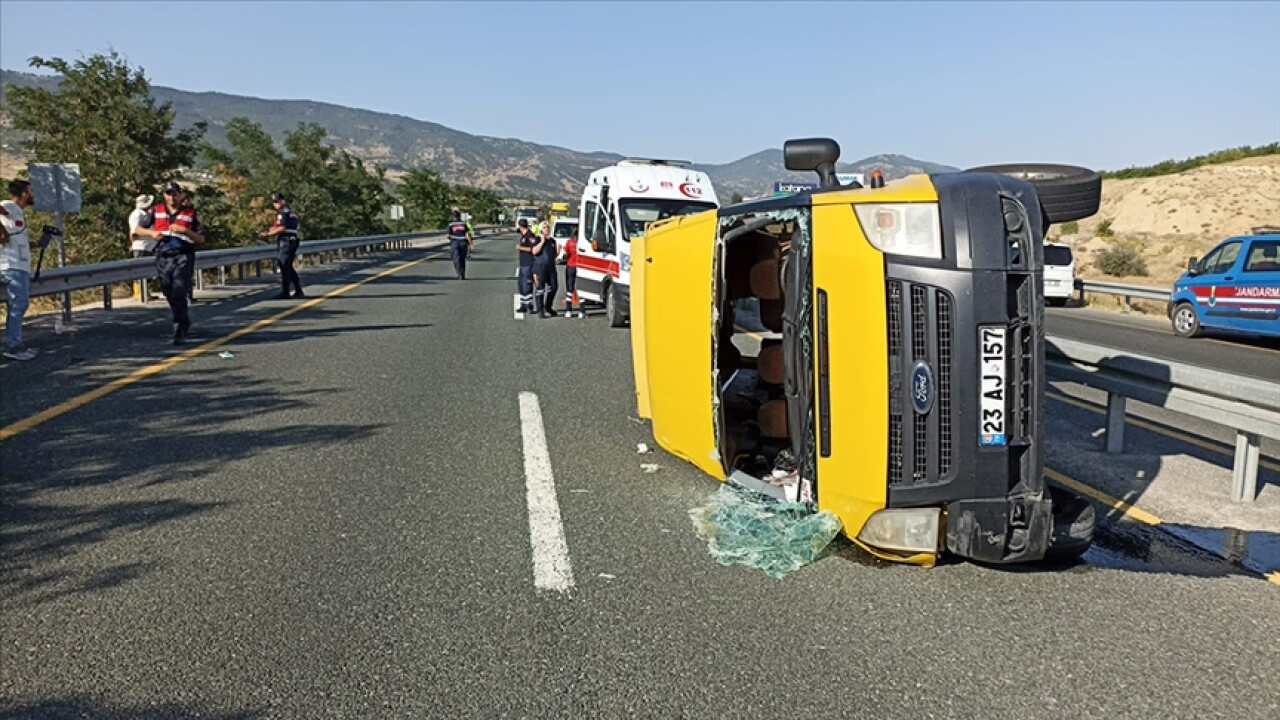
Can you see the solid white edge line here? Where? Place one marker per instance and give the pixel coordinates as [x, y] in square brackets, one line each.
[551, 567]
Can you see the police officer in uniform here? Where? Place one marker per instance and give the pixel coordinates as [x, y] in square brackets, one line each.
[285, 231]
[173, 226]
[461, 242]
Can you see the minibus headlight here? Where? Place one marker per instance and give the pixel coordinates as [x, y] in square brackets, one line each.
[913, 229]
[907, 529]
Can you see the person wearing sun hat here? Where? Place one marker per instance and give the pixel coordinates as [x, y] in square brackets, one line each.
[138, 243]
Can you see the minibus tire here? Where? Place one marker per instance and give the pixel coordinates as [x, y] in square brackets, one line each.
[611, 311]
[1073, 523]
[1067, 192]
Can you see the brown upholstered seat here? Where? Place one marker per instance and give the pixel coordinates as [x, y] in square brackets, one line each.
[773, 419]
[766, 283]
[769, 363]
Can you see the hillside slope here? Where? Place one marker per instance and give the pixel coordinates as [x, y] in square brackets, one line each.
[1172, 217]
[512, 167]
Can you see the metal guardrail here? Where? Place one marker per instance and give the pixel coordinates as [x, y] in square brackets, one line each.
[64, 280]
[1128, 292]
[1250, 406]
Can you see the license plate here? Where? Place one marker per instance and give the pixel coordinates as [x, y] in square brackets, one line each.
[991, 347]
[1054, 283]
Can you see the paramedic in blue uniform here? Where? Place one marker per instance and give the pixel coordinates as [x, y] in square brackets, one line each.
[544, 270]
[285, 231]
[172, 224]
[528, 249]
[461, 243]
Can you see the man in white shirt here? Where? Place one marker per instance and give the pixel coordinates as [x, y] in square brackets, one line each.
[15, 267]
[140, 244]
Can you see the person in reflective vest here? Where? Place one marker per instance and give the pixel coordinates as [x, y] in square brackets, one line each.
[571, 277]
[461, 242]
[173, 225]
[285, 231]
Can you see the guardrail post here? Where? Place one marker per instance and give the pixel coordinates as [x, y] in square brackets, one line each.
[222, 274]
[1115, 422]
[146, 290]
[1244, 475]
[106, 297]
[1127, 306]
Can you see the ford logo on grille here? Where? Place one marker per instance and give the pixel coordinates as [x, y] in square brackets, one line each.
[922, 388]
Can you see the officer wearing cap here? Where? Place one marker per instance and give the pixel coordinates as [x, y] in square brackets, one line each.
[285, 231]
[173, 225]
[528, 247]
[460, 241]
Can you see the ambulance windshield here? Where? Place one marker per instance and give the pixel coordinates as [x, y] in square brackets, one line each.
[637, 213]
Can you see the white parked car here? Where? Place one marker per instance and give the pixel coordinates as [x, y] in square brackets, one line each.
[1059, 273]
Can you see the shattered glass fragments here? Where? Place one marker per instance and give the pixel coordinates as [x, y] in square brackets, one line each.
[741, 527]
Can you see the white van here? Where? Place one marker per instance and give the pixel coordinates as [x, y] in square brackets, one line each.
[1059, 273]
[617, 203]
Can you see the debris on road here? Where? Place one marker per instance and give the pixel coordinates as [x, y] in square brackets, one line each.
[607, 576]
[642, 449]
[742, 527]
[649, 468]
[226, 354]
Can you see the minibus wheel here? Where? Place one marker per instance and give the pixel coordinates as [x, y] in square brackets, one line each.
[1066, 192]
[1073, 521]
[612, 309]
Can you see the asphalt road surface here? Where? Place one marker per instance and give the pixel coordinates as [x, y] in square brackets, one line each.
[336, 523]
[1147, 335]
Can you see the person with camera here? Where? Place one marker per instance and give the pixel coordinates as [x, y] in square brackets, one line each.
[285, 231]
[15, 267]
[173, 224]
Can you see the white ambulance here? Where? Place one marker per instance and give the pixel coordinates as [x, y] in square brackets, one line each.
[617, 203]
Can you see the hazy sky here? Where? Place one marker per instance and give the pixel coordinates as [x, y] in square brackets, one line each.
[1105, 85]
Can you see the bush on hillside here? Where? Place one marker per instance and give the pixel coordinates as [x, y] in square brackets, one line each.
[1170, 167]
[1120, 261]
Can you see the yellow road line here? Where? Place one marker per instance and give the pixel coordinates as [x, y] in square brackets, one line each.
[63, 408]
[1148, 425]
[1128, 510]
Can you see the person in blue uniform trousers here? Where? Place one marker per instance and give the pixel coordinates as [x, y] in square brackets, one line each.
[461, 243]
[544, 271]
[285, 232]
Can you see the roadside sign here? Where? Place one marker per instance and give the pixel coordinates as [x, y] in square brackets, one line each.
[56, 186]
[397, 212]
[789, 188]
[850, 178]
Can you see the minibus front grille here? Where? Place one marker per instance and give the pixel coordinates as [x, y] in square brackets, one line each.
[920, 328]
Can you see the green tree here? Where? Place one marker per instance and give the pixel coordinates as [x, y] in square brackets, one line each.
[333, 192]
[102, 117]
[426, 198]
[735, 198]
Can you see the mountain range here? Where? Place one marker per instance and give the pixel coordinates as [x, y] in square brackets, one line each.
[511, 167]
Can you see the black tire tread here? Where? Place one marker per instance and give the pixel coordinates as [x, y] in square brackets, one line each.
[1066, 192]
